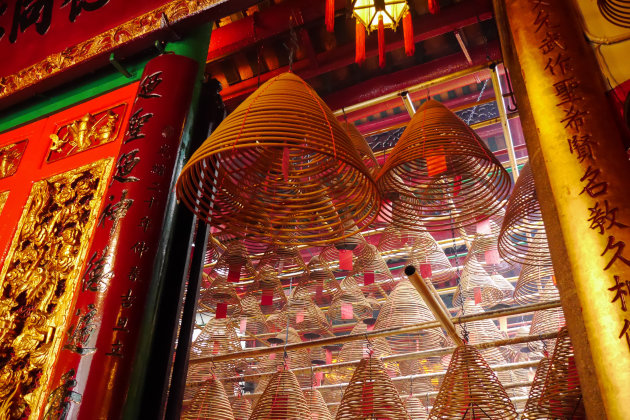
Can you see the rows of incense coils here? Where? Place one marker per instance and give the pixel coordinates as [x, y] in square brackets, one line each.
[309, 236]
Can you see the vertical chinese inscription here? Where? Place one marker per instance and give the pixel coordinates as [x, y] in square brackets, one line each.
[39, 279]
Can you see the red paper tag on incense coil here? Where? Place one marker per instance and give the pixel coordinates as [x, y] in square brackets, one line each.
[492, 256]
[234, 273]
[299, 317]
[328, 356]
[346, 311]
[221, 310]
[368, 278]
[243, 325]
[345, 259]
[267, 297]
[457, 185]
[436, 164]
[425, 271]
[484, 227]
[477, 292]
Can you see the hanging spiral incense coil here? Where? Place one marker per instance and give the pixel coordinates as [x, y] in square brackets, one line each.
[488, 259]
[535, 284]
[241, 408]
[305, 316]
[352, 241]
[523, 239]
[358, 349]
[439, 270]
[282, 399]
[320, 283]
[372, 273]
[210, 403]
[470, 389]
[217, 337]
[251, 318]
[277, 168]
[349, 303]
[299, 358]
[284, 259]
[549, 320]
[397, 239]
[415, 408]
[316, 405]
[235, 266]
[403, 308]
[219, 291]
[616, 12]
[441, 171]
[490, 226]
[475, 285]
[270, 294]
[533, 410]
[278, 321]
[213, 250]
[370, 394]
[358, 141]
[562, 394]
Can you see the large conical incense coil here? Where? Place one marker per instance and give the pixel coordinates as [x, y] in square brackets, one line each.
[299, 358]
[241, 408]
[358, 349]
[406, 307]
[270, 293]
[471, 390]
[277, 167]
[213, 250]
[433, 264]
[316, 405]
[415, 408]
[349, 303]
[282, 399]
[396, 240]
[520, 375]
[372, 273]
[487, 226]
[219, 291]
[210, 402]
[217, 337]
[562, 394]
[235, 266]
[441, 171]
[320, 283]
[370, 394]
[278, 321]
[305, 316]
[349, 247]
[547, 321]
[285, 260]
[359, 142]
[478, 286]
[484, 250]
[523, 238]
[533, 409]
[251, 318]
[535, 284]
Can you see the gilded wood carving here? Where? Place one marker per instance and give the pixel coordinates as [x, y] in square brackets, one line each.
[3, 199]
[10, 156]
[38, 282]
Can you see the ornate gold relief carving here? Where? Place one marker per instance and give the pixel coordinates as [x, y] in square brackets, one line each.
[10, 157]
[85, 133]
[104, 43]
[3, 199]
[38, 282]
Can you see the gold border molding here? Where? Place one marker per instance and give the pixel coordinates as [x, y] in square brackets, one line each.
[104, 43]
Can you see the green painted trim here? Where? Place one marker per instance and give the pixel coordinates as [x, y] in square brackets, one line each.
[85, 88]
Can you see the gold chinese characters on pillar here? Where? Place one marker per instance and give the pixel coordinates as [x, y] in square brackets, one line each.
[588, 171]
[38, 281]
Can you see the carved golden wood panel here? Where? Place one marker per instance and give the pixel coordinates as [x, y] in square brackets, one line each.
[39, 279]
[3, 199]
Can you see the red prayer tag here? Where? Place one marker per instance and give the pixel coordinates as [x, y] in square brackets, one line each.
[345, 259]
[299, 317]
[272, 356]
[483, 227]
[477, 291]
[492, 256]
[425, 271]
[221, 310]
[318, 291]
[370, 327]
[368, 278]
[234, 273]
[457, 185]
[243, 325]
[328, 356]
[267, 297]
[347, 311]
[318, 378]
[216, 347]
[436, 165]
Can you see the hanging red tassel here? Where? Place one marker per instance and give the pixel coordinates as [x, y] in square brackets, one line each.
[330, 15]
[434, 7]
[381, 42]
[410, 46]
[359, 56]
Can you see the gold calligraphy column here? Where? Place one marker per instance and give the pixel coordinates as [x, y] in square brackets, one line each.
[582, 174]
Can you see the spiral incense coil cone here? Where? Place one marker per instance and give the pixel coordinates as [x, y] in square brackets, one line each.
[533, 410]
[282, 399]
[535, 284]
[415, 408]
[217, 337]
[349, 303]
[284, 259]
[320, 282]
[441, 174]
[251, 318]
[317, 405]
[306, 317]
[210, 403]
[523, 238]
[236, 267]
[241, 408]
[370, 394]
[549, 320]
[278, 168]
[471, 390]
[364, 149]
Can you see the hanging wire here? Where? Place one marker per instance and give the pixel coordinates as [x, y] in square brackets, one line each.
[286, 337]
[292, 44]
